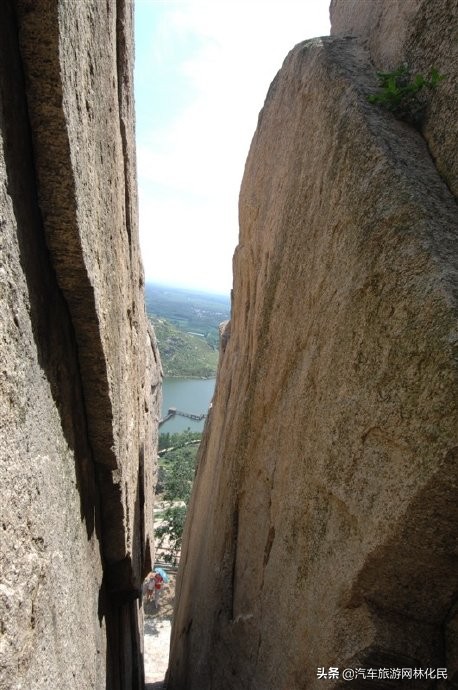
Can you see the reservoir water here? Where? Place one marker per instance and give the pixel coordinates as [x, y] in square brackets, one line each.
[188, 395]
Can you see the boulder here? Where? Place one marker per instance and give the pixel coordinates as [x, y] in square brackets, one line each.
[322, 526]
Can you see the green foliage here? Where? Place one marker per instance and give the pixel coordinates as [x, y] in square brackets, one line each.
[164, 441]
[179, 470]
[184, 354]
[172, 529]
[167, 440]
[176, 475]
[186, 324]
[399, 92]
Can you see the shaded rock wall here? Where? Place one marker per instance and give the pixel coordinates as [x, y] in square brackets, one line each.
[322, 527]
[80, 372]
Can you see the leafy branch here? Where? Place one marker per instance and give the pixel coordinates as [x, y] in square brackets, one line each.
[399, 92]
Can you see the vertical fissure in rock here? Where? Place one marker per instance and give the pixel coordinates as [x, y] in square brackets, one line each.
[124, 106]
[233, 584]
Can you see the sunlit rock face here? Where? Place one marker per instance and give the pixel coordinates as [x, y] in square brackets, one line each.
[322, 527]
[79, 374]
[421, 35]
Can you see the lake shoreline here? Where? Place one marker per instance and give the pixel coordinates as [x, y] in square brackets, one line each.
[189, 378]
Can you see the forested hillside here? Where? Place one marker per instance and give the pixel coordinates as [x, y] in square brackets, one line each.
[186, 325]
[184, 354]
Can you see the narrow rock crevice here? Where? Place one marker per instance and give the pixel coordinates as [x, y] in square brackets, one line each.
[125, 109]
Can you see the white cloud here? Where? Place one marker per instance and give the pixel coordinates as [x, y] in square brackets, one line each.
[190, 170]
[188, 244]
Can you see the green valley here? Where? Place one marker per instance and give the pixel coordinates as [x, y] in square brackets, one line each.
[186, 325]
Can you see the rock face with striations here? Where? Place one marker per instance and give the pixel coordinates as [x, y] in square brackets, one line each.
[80, 373]
[323, 523]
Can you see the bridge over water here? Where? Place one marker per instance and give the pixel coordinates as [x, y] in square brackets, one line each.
[172, 411]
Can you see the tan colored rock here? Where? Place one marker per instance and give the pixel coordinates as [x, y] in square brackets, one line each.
[79, 368]
[423, 35]
[322, 527]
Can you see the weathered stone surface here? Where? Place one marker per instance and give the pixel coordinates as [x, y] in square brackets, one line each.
[423, 35]
[322, 528]
[79, 368]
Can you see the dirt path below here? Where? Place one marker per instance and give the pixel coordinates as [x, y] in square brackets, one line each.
[157, 626]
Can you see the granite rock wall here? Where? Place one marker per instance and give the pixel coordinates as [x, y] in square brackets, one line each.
[323, 523]
[80, 372]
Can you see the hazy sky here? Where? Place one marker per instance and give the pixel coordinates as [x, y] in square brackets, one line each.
[201, 75]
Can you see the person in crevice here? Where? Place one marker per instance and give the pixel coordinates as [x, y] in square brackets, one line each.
[152, 587]
[158, 584]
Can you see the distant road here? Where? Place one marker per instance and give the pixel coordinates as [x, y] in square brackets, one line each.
[181, 445]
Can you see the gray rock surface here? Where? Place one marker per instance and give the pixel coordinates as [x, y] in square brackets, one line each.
[323, 523]
[79, 368]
